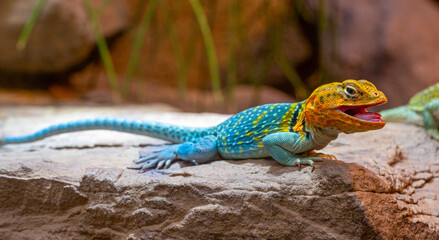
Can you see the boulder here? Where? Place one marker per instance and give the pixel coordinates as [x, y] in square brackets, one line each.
[390, 42]
[384, 185]
[62, 36]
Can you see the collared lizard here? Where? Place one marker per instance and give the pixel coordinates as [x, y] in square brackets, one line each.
[422, 110]
[288, 132]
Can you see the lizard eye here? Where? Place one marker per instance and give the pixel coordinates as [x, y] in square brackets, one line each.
[350, 91]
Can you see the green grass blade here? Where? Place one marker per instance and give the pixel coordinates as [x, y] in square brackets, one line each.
[288, 70]
[276, 29]
[177, 52]
[137, 46]
[233, 38]
[29, 25]
[210, 49]
[103, 49]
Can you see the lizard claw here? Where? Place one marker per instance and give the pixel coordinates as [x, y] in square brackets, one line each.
[160, 164]
[144, 159]
[311, 164]
[193, 162]
[298, 163]
[307, 160]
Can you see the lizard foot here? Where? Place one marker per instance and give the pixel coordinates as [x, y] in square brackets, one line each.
[308, 161]
[200, 151]
[159, 159]
[433, 132]
[321, 155]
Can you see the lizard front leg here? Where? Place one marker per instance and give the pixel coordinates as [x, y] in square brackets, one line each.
[201, 151]
[429, 118]
[285, 147]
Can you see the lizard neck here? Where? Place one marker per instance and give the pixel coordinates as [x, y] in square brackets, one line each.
[322, 136]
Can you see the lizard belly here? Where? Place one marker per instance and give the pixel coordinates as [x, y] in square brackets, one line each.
[241, 135]
[244, 151]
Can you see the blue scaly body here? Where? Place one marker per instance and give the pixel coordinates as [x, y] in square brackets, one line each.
[280, 130]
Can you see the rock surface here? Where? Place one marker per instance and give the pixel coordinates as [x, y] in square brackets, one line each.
[62, 36]
[384, 185]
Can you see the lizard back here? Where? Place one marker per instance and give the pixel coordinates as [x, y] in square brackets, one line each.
[418, 101]
[241, 135]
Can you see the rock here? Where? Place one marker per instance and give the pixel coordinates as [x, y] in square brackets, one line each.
[371, 192]
[389, 42]
[62, 36]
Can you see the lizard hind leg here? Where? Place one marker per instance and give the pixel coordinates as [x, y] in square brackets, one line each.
[430, 118]
[200, 151]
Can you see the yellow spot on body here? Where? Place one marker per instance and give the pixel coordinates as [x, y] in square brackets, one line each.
[225, 150]
[248, 134]
[240, 149]
[274, 106]
[266, 130]
[239, 142]
[237, 133]
[224, 138]
[260, 144]
[259, 118]
[240, 119]
[225, 143]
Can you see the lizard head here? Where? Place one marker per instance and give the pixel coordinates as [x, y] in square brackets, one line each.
[342, 106]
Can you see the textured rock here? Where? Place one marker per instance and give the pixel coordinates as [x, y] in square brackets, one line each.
[387, 41]
[62, 36]
[383, 186]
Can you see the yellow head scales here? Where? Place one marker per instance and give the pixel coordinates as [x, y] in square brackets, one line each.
[342, 106]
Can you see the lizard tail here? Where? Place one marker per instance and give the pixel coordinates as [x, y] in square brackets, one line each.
[169, 132]
[401, 114]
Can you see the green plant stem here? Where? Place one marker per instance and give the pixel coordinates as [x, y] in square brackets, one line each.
[29, 25]
[210, 50]
[282, 61]
[177, 52]
[137, 46]
[233, 37]
[103, 49]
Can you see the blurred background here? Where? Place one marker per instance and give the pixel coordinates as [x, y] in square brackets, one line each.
[211, 55]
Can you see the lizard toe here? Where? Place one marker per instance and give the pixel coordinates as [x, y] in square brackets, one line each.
[318, 156]
[168, 163]
[160, 164]
[144, 159]
[149, 165]
[308, 161]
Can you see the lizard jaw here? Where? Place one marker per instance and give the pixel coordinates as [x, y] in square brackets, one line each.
[360, 112]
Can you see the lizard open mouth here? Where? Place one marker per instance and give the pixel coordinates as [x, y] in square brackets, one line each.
[361, 113]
